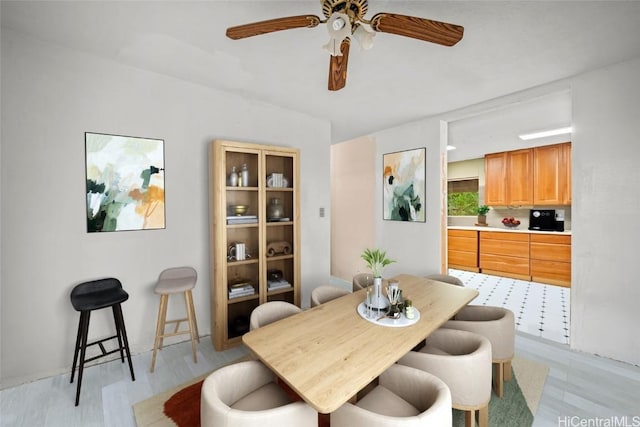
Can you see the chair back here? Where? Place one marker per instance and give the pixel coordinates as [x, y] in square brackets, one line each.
[245, 395]
[326, 293]
[446, 278]
[270, 312]
[361, 281]
[404, 397]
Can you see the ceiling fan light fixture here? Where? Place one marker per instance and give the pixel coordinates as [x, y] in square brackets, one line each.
[545, 133]
[364, 37]
[339, 28]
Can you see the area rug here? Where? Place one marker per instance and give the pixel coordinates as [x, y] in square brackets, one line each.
[181, 406]
[520, 399]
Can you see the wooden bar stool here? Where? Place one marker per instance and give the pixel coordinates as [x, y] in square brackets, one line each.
[173, 281]
[94, 295]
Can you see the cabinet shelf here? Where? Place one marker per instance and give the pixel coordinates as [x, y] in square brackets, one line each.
[251, 225]
[281, 189]
[279, 291]
[279, 257]
[230, 317]
[245, 262]
[243, 299]
[229, 188]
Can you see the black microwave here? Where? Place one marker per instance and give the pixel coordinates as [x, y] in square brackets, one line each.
[542, 220]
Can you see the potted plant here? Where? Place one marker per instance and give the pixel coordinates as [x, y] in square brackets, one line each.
[482, 214]
[377, 260]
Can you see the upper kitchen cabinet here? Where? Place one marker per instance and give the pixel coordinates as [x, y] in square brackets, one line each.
[534, 176]
[509, 178]
[552, 174]
[495, 177]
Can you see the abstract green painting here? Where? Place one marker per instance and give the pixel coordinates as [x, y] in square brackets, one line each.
[125, 183]
[404, 181]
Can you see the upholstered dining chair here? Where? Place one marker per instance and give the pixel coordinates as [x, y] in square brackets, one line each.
[270, 312]
[403, 397]
[446, 278]
[497, 324]
[361, 281]
[245, 394]
[326, 293]
[463, 361]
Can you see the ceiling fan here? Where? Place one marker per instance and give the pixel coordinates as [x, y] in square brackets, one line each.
[345, 19]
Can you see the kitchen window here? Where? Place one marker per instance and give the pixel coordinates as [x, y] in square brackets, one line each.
[462, 197]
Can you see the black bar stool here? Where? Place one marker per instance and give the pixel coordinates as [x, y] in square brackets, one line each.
[94, 295]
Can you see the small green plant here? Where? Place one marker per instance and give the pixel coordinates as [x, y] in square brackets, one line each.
[483, 209]
[376, 260]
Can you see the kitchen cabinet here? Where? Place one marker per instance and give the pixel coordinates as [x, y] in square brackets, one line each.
[505, 254]
[552, 174]
[551, 259]
[509, 178]
[241, 234]
[463, 249]
[495, 176]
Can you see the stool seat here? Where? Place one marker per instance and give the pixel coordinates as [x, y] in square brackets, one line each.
[176, 280]
[95, 295]
[98, 299]
[175, 285]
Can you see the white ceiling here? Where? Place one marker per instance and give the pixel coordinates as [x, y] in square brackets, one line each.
[507, 47]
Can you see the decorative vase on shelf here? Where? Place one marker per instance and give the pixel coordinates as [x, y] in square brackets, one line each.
[275, 210]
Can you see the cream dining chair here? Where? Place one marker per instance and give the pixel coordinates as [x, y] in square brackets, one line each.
[497, 324]
[463, 361]
[403, 397]
[326, 293]
[361, 281]
[245, 394]
[270, 312]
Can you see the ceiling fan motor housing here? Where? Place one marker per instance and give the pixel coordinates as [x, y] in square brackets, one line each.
[358, 8]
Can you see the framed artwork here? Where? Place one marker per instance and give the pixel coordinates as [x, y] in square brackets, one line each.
[125, 183]
[404, 185]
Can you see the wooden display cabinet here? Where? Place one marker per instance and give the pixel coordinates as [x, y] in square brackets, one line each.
[230, 316]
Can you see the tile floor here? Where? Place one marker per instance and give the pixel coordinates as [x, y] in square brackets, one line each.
[539, 309]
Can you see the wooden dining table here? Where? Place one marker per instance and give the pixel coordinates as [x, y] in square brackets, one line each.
[329, 353]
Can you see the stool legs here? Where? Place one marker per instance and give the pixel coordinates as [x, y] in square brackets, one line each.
[195, 320]
[160, 325]
[82, 344]
[162, 322]
[192, 323]
[122, 332]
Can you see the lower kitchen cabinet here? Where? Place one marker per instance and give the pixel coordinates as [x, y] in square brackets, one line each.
[463, 249]
[505, 254]
[551, 259]
[537, 257]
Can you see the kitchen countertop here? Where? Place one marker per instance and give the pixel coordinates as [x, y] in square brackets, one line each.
[508, 230]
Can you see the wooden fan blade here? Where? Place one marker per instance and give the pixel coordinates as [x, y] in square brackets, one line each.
[418, 28]
[338, 67]
[272, 25]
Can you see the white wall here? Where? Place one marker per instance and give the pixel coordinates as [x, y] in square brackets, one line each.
[415, 245]
[606, 204]
[50, 97]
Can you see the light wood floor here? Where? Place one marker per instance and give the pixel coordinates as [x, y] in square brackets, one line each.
[579, 385]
